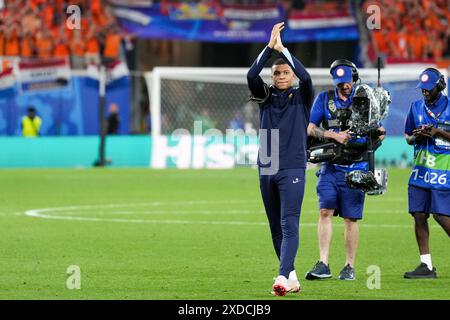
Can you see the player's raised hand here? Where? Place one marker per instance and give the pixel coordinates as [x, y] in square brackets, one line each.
[275, 33]
[279, 44]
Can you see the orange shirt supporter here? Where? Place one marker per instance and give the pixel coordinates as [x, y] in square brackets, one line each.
[112, 45]
[418, 43]
[84, 24]
[403, 39]
[69, 34]
[48, 16]
[55, 32]
[426, 4]
[61, 50]
[437, 24]
[415, 46]
[428, 22]
[425, 44]
[12, 46]
[390, 24]
[60, 5]
[409, 26]
[400, 6]
[77, 48]
[92, 46]
[26, 49]
[96, 7]
[438, 50]
[44, 47]
[100, 20]
[432, 22]
[392, 41]
[380, 41]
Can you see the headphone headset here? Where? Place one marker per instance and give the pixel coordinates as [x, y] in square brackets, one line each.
[440, 84]
[343, 62]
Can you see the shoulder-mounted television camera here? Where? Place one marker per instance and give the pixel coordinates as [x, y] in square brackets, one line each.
[362, 119]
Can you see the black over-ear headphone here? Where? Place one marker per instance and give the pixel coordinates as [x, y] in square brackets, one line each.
[440, 85]
[343, 62]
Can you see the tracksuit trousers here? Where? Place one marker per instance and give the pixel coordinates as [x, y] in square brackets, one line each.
[282, 194]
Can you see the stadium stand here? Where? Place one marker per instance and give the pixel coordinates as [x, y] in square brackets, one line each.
[412, 31]
[37, 29]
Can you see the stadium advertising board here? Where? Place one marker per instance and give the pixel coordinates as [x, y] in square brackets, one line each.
[233, 23]
[72, 111]
[198, 151]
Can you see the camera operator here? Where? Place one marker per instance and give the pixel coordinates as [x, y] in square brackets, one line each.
[333, 111]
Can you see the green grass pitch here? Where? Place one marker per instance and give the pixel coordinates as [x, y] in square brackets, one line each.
[190, 234]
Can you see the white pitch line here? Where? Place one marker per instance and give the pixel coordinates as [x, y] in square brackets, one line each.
[213, 212]
[193, 212]
[5, 214]
[41, 213]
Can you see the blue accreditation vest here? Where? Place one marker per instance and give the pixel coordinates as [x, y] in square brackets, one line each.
[362, 165]
[431, 169]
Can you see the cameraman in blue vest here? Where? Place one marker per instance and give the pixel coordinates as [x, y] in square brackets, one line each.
[330, 120]
[427, 128]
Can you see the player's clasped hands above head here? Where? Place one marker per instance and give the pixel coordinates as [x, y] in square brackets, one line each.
[275, 37]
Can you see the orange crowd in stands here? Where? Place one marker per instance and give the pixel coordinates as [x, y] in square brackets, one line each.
[412, 30]
[38, 29]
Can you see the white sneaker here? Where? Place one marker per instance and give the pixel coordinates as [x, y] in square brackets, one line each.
[280, 287]
[293, 286]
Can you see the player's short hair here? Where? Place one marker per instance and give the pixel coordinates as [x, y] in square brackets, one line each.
[278, 62]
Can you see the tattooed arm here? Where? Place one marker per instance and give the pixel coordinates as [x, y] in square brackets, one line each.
[316, 132]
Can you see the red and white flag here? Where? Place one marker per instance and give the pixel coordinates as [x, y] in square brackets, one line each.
[7, 79]
[116, 70]
[44, 74]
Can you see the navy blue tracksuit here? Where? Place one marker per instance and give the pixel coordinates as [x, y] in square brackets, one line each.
[282, 192]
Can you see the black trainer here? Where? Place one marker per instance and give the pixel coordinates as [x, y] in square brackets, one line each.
[347, 273]
[319, 271]
[421, 272]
